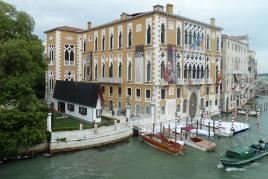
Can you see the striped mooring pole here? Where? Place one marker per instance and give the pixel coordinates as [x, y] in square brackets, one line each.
[247, 117]
[219, 129]
[258, 117]
[232, 124]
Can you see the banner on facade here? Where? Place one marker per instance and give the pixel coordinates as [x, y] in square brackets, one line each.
[170, 72]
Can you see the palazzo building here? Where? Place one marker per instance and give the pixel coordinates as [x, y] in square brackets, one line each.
[239, 72]
[154, 58]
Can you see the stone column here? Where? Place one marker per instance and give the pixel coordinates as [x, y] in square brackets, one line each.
[49, 122]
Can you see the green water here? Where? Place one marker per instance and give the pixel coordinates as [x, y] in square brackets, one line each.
[136, 159]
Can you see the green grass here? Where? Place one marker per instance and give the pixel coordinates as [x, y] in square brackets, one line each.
[72, 123]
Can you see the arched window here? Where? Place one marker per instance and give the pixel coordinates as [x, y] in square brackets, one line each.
[162, 69]
[129, 72]
[178, 70]
[185, 37]
[120, 70]
[163, 33]
[148, 73]
[190, 72]
[103, 70]
[202, 72]
[84, 72]
[208, 41]
[185, 71]
[111, 41]
[178, 36]
[103, 42]
[198, 39]
[217, 72]
[218, 44]
[111, 70]
[207, 70]
[198, 72]
[190, 37]
[148, 34]
[129, 38]
[85, 45]
[96, 71]
[194, 72]
[120, 40]
[96, 44]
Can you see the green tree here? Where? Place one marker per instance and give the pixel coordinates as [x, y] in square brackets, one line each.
[22, 82]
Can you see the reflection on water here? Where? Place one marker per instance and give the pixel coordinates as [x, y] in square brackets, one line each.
[135, 159]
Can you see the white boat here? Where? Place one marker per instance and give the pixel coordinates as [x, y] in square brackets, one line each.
[202, 132]
[200, 143]
[250, 113]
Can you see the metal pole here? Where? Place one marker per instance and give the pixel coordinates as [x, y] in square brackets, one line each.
[209, 130]
[197, 127]
[214, 125]
[181, 133]
[219, 133]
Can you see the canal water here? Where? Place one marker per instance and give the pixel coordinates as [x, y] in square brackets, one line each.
[135, 159]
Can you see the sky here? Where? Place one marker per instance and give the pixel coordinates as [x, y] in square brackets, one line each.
[237, 17]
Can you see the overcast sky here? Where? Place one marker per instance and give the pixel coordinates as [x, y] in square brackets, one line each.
[237, 17]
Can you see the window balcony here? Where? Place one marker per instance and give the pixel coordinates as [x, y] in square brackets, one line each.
[110, 80]
[71, 63]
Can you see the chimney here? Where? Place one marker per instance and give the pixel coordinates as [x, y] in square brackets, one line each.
[123, 16]
[212, 21]
[169, 8]
[89, 25]
[158, 8]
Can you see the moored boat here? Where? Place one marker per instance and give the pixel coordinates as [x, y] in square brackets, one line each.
[160, 142]
[240, 156]
[200, 143]
[250, 113]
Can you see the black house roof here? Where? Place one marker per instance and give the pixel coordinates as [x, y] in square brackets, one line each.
[77, 92]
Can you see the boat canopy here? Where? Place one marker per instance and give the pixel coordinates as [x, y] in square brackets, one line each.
[240, 152]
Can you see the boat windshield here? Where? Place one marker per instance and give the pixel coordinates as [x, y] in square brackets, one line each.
[240, 153]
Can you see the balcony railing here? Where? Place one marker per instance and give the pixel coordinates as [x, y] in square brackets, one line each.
[111, 80]
[68, 62]
[193, 81]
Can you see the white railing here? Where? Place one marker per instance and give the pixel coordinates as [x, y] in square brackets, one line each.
[193, 81]
[66, 62]
[111, 80]
[89, 133]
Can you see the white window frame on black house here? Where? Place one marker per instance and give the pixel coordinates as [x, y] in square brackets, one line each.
[82, 110]
[129, 71]
[129, 35]
[148, 71]
[148, 36]
[51, 54]
[178, 35]
[163, 33]
[111, 41]
[70, 107]
[69, 54]
[95, 41]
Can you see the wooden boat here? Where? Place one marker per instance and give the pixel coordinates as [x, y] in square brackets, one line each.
[162, 143]
[200, 143]
[240, 156]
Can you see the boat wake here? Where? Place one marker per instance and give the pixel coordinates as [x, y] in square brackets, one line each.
[233, 169]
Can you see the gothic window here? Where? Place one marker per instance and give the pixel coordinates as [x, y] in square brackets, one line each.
[148, 71]
[84, 45]
[178, 70]
[185, 71]
[202, 72]
[103, 70]
[207, 70]
[50, 53]
[163, 33]
[96, 44]
[194, 38]
[194, 72]
[190, 37]
[178, 36]
[120, 70]
[111, 70]
[162, 69]
[129, 71]
[96, 71]
[111, 41]
[120, 40]
[198, 39]
[190, 71]
[129, 38]
[69, 54]
[69, 76]
[186, 37]
[103, 43]
[148, 34]
[217, 71]
[198, 72]
[208, 41]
